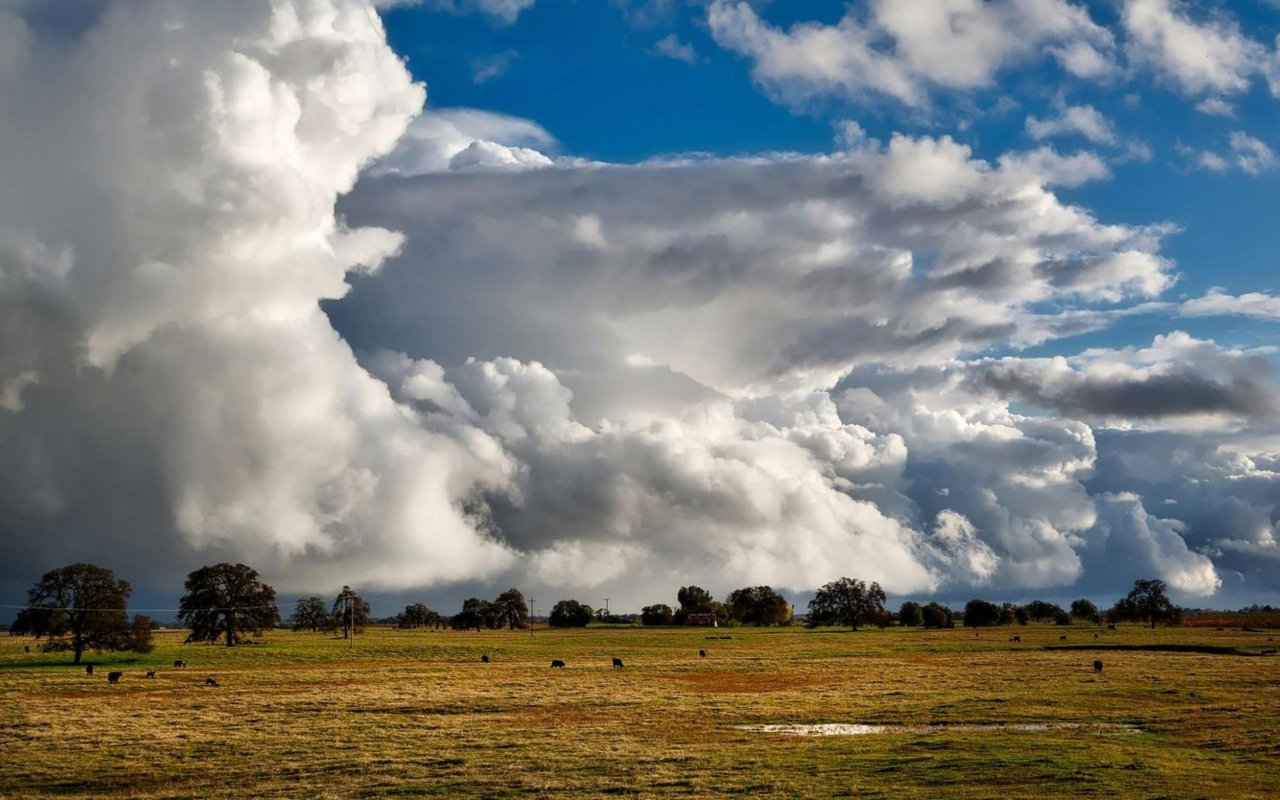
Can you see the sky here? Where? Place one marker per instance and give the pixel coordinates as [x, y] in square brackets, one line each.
[600, 299]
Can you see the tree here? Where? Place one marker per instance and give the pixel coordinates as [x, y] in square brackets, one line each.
[937, 615]
[227, 600]
[693, 600]
[78, 607]
[1122, 611]
[910, 615]
[981, 613]
[720, 610]
[417, 616]
[511, 610]
[312, 614]
[759, 605]
[1147, 602]
[569, 614]
[847, 602]
[1008, 614]
[658, 614]
[350, 611]
[1021, 616]
[1039, 610]
[1085, 610]
[140, 640]
[1061, 617]
[475, 613]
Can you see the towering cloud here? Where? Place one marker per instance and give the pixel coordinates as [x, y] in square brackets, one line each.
[171, 385]
[481, 363]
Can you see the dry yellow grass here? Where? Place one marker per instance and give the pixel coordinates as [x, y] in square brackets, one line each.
[416, 714]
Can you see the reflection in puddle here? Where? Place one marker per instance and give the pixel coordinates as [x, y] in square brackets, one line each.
[855, 729]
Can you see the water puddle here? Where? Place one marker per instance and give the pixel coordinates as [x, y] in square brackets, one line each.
[855, 729]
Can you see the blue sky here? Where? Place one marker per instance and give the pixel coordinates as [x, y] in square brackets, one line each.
[592, 75]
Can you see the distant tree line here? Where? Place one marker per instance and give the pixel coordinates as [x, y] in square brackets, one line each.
[852, 603]
[846, 602]
[750, 605]
[83, 607]
[507, 610]
[1147, 603]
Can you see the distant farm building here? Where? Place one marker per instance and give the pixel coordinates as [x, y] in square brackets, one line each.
[701, 618]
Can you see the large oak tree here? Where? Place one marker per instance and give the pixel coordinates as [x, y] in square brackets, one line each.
[758, 605]
[312, 614]
[1147, 603]
[847, 601]
[511, 609]
[227, 600]
[569, 614]
[78, 607]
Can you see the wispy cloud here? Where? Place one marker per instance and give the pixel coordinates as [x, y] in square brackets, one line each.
[670, 46]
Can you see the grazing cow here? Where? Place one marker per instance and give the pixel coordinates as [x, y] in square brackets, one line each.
[617, 663]
[114, 677]
[1097, 666]
[151, 674]
[88, 669]
[1062, 638]
[1015, 638]
[1111, 627]
[702, 654]
[484, 659]
[1095, 636]
[179, 663]
[557, 663]
[26, 648]
[210, 682]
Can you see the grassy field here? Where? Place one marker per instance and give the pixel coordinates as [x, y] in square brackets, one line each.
[416, 714]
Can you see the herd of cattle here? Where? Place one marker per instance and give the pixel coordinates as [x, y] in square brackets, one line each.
[556, 663]
[178, 663]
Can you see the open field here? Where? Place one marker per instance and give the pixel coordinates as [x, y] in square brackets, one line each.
[416, 714]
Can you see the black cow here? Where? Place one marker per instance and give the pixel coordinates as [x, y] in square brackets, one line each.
[1097, 666]
[151, 674]
[210, 682]
[557, 663]
[484, 659]
[26, 648]
[702, 654]
[1062, 638]
[617, 663]
[1111, 627]
[179, 663]
[1015, 638]
[114, 677]
[88, 669]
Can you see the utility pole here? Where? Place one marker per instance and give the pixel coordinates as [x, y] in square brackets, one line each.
[606, 609]
[531, 613]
